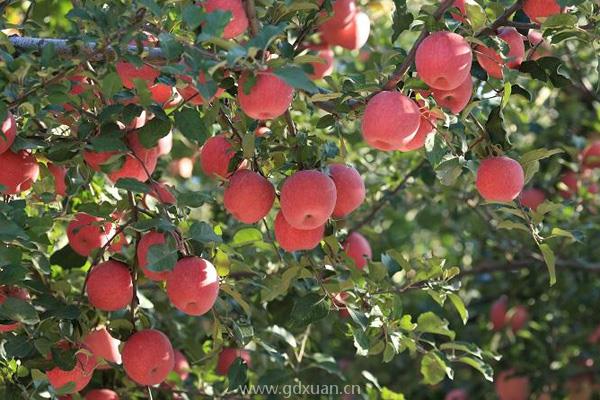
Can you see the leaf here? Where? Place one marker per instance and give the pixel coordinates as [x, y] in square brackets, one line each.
[448, 171]
[296, 77]
[153, 131]
[430, 323]
[267, 34]
[560, 21]
[480, 365]
[550, 260]
[67, 258]
[192, 16]
[190, 124]
[162, 257]
[475, 14]
[460, 307]
[494, 126]
[132, 185]
[247, 236]
[111, 84]
[204, 233]
[401, 20]
[237, 297]
[171, 48]
[308, 309]
[433, 368]
[15, 309]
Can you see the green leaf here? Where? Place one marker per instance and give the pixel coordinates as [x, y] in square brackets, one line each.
[246, 236]
[460, 306]
[308, 309]
[15, 309]
[204, 233]
[480, 365]
[430, 323]
[162, 257]
[402, 19]
[433, 368]
[153, 131]
[448, 171]
[296, 77]
[550, 260]
[266, 35]
[237, 373]
[67, 258]
[192, 16]
[248, 144]
[495, 128]
[190, 124]
[171, 48]
[111, 84]
[132, 185]
[476, 14]
[560, 21]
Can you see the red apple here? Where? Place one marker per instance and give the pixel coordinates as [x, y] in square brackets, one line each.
[193, 285]
[457, 394]
[500, 179]
[491, 61]
[532, 198]
[455, 99]
[103, 346]
[307, 199]
[18, 172]
[109, 286]
[163, 193]
[238, 23]
[148, 357]
[443, 60]
[182, 366]
[512, 387]
[184, 167]
[325, 67]
[539, 10]
[390, 121]
[291, 239]
[357, 247]
[101, 394]
[8, 132]
[80, 375]
[165, 144]
[228, 356]
[518, 318]
[268, 98]
[249, 196]
[215, 156]
[150, 239]
[352, 36]
[190, 93]
[349, 187]
[128, 73]
[59, 173]
[87, 233]
[591, 155]
[498, 312]
[343, 11]
[541, 46]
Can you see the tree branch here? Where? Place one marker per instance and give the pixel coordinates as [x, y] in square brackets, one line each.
[501, 20]
[252, 18]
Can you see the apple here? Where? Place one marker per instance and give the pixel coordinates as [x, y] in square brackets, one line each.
[491, 61]
[150, 239]
[262, 131]
[291, 239]
[165, 95]
[539, 10]
[390, 121]
[184, 167]
[427, 125]
[512, 387]
[87, 233]
[350, 189]
[165, 144]
[541, 46]
[532, 198]
[460, 17]
[343, 11]
[455, 99]
[443, 60]
[118, 243]
[307, 199]
[163, 193]
[190, 93]
[228, 356]
[80, 375]
[594, 336]
[518, 318]
[182, 366]
[500, 179]
[101, 394]
[457, 394]
[238, 23]
[8, 132]
[18, 172]
[325, 67]
[59, 173]
[215, 156]
[128, 73]
[267, 98]
[498, 312]
[102, 346]
[109, 286]
[357, 247]
[339, 300]
[574, 181]
[248, 196]
[16, 292]
[352, 36]
[591, 155]
[148, 357]
[193, 285]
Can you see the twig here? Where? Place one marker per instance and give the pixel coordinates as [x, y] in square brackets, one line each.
[252, 18]
[501, 20]
[290, 123]
[134, 267]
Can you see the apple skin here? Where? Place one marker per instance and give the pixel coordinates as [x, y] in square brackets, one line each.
[268, 98]
[59, 173]
[519, 317]
[193, 285]
[324, 68]
[498, 312]
[490, 60]
[357, 247]
[307, 199]
[81, 374]
[182, 366]
[18, 172]
[542, 48]
[352, 36]
[460, 4]
[148, 357]
[215, 157]
[591, 155]
[443, 60]
[532, 198]
[350, 189]
[150, 239]
[238, 24]
[228, 356]
[101, 394]
[183, 167]
[512, 387]
[455, 99]
[129, 72]
[87, 233]
[539, 10]
[164, 95]
[457, 394]
[191, 95]
[500, 179]
[8, 132]
[390, 121]
[291, 239]
[165, 144]
[103, 346]
[109, 286]
[162, 192]
[248, 196]
[5, 293]
[343, 11]
[426, 126]
[573, 181]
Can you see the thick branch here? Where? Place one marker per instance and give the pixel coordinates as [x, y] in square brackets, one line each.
[252, 18]
[501, 20]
